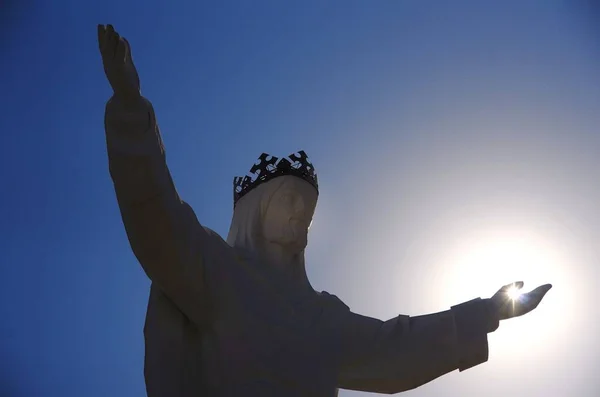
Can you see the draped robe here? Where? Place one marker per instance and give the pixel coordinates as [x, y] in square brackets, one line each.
[220, 324]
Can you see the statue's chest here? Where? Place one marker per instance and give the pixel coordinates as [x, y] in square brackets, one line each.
[270, 330]
[244, 292]
[263, 309]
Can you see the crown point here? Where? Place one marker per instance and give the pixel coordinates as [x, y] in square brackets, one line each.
[268, 167]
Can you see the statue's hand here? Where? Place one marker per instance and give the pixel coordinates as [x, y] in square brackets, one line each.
[504, 307]
[118, 64]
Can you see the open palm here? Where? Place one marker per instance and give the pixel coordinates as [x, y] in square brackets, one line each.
[505, 307]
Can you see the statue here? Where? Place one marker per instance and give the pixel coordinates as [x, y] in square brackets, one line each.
[239, 317]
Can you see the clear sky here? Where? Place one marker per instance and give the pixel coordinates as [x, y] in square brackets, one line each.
[456, 144]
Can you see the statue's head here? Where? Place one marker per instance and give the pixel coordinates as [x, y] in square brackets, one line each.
[276, 206]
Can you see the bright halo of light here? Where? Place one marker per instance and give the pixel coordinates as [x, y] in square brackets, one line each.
[480, 263]
[514, 293]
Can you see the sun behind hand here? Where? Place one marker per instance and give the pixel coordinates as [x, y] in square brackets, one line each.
[514, 293]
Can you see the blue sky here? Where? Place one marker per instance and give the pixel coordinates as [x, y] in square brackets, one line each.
[456, 145]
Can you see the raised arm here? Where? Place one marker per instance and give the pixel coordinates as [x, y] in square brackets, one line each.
[163, 231]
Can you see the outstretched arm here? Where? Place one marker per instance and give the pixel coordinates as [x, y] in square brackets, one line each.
[407, 352]
[163, 231]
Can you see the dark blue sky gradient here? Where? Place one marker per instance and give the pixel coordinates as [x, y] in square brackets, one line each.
[428, 121]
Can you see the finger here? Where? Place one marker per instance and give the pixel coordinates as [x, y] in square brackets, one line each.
[541, 291]
[545, 287]
[107, 41]
[121, 50]
[101, 33]
[127, 48]
[111, 39]
[531, 300]
[115, 39]
[518, 284]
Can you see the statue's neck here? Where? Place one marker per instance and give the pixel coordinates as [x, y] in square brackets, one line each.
[287, 264]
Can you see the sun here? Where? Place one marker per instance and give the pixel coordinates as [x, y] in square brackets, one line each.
[514, 293]
[480, 262]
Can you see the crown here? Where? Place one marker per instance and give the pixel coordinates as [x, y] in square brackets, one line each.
[269, 167]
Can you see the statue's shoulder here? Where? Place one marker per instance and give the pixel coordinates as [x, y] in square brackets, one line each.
[214, 239]
[332, 302]
[211, 233]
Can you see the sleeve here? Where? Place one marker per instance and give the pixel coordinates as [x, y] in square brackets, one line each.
[163, 230]
[407, 352]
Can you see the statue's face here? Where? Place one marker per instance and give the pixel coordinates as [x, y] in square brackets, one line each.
[289, 214]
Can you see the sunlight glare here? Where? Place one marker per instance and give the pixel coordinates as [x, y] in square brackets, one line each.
[514, 293]
[484, 261]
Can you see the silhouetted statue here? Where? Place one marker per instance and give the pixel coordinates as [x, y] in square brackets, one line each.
[239, 317]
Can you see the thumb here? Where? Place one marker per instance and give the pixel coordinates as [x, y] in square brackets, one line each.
[508, 287]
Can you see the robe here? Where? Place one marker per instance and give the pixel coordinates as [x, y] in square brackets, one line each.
[219, 324]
